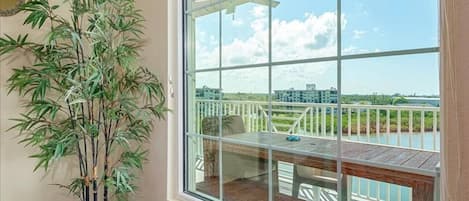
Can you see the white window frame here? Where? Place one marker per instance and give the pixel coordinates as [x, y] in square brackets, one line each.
[181, 75]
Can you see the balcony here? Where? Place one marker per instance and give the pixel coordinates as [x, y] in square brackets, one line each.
[409, 127]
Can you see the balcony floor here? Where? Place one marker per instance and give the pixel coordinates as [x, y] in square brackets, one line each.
[241, 190]
[256, 189]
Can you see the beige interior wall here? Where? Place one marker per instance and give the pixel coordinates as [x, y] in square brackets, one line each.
[155, 56]
[7, 4]
[17, 180]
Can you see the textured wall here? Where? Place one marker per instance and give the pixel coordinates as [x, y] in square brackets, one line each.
[17, 180]
[16, 175]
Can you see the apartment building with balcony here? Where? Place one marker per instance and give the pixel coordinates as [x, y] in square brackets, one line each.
[207, 93]
[308, 95]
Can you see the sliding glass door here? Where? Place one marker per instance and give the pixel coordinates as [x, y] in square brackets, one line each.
[311, 99]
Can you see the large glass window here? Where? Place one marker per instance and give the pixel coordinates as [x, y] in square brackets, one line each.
[311, 99]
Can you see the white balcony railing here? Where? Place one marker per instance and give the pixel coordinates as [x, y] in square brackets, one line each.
[404, 126]
[415, 127]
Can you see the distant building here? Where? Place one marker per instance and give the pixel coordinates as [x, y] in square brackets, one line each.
[207, 93]
[310, 95]
[421, 101]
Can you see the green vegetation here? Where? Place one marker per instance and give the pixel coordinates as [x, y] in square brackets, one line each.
[373, 99]
[246, 96]
[309, 122]
[405, 127]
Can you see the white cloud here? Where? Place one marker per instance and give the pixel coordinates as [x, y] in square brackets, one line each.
[259, 11]
[354, 50]
[313, 36]
[358, 34]
[237, 22]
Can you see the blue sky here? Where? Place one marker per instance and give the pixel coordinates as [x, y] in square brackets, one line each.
[307, 29]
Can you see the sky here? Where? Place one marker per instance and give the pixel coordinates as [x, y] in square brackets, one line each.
[304, 29]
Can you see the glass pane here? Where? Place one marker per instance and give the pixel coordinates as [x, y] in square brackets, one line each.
[203, 95]
[245, 34]
[203, 40]
[305, 178]
[305, 106]
[245, 173]
[392, 100]
[245, 102]
[375, 26]
[305, 97]
[245, 120]
[202, 166]
[304, 29]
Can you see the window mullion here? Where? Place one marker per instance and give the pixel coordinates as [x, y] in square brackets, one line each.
[340, 194]
[271, 193]
[220, 109]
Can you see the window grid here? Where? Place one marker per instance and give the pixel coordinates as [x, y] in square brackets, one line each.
[270, 64]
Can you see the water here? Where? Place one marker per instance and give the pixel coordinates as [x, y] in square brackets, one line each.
[431, 141]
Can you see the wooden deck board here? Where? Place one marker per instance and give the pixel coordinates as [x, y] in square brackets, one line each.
[431, 163]
[381, 155]
[353, 150]
[376, 152]
[418, 160]
[395, 157]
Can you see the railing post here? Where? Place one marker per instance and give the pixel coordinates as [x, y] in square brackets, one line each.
[399, 197]
[422, 121]
[411, 127]
[358, 123]
[243, 113]
[332, 121]
[411, 122]
[398, 127]
[388, 192]
[349, 127]
[378, 191]
[311, 121]
[378, 125]
[368, 124]
[323, 124]
[388, 125]
[304, 121]
[368, 188]
[317, 121]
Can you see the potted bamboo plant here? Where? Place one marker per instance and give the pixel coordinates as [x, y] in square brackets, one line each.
[86, 96]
